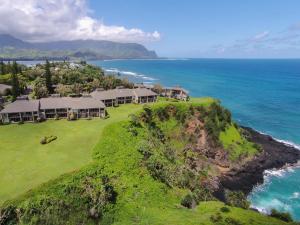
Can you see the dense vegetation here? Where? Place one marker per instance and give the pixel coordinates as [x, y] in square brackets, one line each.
[63, 78]
[149, 170]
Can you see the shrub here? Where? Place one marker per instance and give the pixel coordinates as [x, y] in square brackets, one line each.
[40, 119]
[258, 147]
[225, 209]
[216, 218]
[189, 201]
[203, 194]
[232, 221]
[47, 140]
[284, 216]
[237, 199]
[21, 122]
[56, 117]
[43, 141]
[71, 116]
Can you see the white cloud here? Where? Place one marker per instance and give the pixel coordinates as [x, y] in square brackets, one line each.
[49, 20]
[261, 36]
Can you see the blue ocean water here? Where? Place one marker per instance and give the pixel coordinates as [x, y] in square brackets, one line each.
[263, 94]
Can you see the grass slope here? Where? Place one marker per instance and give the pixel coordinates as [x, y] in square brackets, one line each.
[143, 200]
[237, 145]
[25, 163]
[140, 198]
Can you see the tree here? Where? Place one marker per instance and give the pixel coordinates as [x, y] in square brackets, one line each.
[2, 68]
[48, 77]
[39, 88]
[158, 88]
[15, 81]
[63, 90]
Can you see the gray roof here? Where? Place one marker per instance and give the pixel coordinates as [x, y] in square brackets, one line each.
[141, 92]
[4, 87]
[68, 102]
[118, 93]
[177, 89]
[22, 106]
[85, 103]
[112, 94]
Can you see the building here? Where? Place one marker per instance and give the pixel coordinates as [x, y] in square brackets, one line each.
[61, 107]
[144, 95]
[79, 107]
[176, 92]
[122, 96]
[21, 110]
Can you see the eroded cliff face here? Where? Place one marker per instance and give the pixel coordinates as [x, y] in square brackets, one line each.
[184, 148]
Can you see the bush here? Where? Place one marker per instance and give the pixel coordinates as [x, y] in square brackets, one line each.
[71, 116]
[216, 218]
[232, 221]
[284, 216]
[40, 119]
[47, 140]
[237, 199]
[258, 147]
[203, 194]
[20, 122]
[189, 201]
[56, 117]
[225, 209]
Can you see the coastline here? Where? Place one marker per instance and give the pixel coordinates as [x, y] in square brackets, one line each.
[277, 155]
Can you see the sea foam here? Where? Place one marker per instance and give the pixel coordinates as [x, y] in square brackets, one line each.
[130, 73]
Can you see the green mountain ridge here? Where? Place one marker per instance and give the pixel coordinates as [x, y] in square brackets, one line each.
[13, 48]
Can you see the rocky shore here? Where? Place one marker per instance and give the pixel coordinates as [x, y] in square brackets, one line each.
[275, 155]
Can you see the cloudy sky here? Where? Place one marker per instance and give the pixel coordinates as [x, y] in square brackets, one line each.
[190, 28]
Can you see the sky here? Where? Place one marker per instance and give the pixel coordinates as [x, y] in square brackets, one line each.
[190, 28]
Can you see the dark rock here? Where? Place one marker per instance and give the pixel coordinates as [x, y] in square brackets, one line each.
[275, 155]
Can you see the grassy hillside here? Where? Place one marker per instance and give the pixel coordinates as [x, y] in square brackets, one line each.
[121, 186]
[25, 163]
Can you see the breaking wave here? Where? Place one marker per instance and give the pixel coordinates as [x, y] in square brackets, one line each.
[142, 77]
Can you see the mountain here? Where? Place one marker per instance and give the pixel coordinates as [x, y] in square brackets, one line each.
[13, 48]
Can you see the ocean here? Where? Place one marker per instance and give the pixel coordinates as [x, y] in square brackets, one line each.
[261, 93]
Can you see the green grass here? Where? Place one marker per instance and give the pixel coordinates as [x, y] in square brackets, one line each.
[25, 163]
[141, 199]
[237, 145]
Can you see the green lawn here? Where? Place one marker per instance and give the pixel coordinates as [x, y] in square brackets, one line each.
[25, 163]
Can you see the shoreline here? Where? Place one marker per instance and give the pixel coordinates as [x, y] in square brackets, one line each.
[277, 155]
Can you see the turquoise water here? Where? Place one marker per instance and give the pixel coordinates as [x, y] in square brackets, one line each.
[263, 94]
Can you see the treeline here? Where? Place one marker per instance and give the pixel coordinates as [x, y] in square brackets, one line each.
[62, 78]
[9, 74]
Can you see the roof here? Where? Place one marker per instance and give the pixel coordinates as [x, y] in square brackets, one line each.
[140, 92]
[177, 89]
[68, 102]
[4, 87]
[22, 106]
[85, 103]
[112, 94]
[118, 93]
